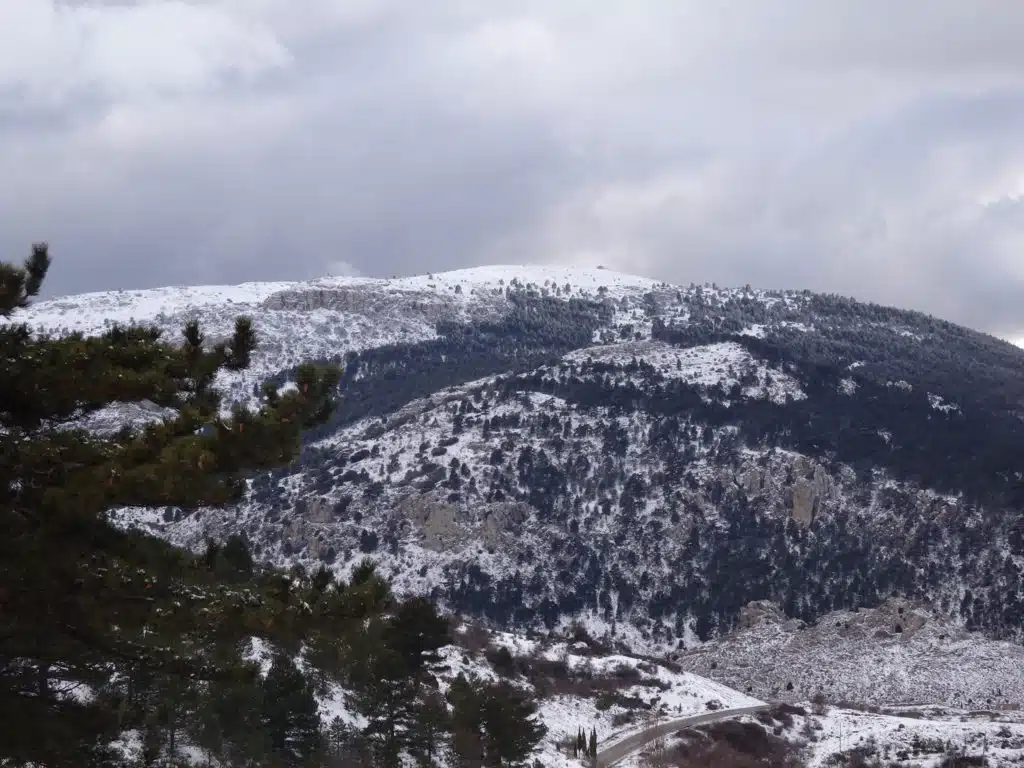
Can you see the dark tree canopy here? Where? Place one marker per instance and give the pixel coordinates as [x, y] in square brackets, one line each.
[82, 602]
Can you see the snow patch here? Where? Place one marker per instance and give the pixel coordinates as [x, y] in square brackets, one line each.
[848, 387]
[723, 366]
[939, 404]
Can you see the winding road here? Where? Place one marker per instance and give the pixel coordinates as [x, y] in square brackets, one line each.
[619, 751]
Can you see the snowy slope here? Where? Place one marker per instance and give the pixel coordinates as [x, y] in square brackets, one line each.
[326, 317]
[710, 366]
[823, 736]
[897, 653]
[922, 738]
[91, 313]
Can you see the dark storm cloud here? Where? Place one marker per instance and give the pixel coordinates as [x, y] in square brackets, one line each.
[852, 146]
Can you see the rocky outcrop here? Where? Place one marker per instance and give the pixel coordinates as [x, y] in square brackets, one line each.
[502, 519]
[320, 511]
[803, 485]
[439, 524]
[811, 487]
[897, 653]
[760, 612]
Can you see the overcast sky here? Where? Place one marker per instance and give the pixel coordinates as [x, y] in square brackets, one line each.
[863, 147]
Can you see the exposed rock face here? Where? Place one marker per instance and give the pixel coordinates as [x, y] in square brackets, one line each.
[764, 613]
[805, 504]
[812, 486]
[352, 299]
[893, 617]
[436, 521]
[752, 479]
[320, 511]
[302, 535]
[445, 526]
[380, 303]
[760, 612]
[502, 519]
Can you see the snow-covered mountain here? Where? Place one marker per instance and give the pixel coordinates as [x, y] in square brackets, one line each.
[539, 445]
[326, 317]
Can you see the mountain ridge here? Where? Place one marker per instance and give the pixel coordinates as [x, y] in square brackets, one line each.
[576, 444]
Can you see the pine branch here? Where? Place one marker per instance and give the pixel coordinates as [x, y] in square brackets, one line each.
[18, 285]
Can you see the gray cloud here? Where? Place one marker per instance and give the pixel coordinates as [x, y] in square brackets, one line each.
[854, 146]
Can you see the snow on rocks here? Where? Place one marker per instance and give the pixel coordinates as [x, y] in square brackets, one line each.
[819, 736]
[897, 653]
[710, 366]
[939, 404]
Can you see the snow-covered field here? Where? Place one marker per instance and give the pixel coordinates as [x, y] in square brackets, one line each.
[924, 740]
[923, 737]
[897, 653]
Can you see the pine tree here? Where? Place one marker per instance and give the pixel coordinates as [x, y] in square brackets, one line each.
[512, 730]
[593, 744]
[429, 729]
[467, 723]
[416, 632]
[494, 723]
[81, 602]
[384, 693]
[229, 718]
[289, 715]
[345, 746]
[390, 658]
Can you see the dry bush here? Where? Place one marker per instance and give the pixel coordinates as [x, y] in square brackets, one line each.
[858, 707]
[474, 639]
[552, 677]
[502, 661]
[951, 761]
[732, 744]
[783, 714]
[818, 704]
[911, 713]
[623, 718]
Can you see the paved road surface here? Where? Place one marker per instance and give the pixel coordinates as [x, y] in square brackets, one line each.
[623, 749]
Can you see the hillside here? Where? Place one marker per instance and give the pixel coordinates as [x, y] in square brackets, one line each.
[576, 685]
[537, 445]
[896, 654]
[797, 736]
